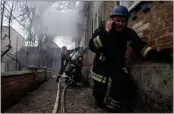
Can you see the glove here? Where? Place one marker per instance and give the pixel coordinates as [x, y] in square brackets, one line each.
[77, 48]
[166, 55]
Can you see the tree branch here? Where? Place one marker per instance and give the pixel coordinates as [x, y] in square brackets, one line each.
[2, 38]
[2, 15]
[9, 30]
[11, 56]
[6, 51]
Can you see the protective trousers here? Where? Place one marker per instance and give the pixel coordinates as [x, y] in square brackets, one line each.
[122, 89]
[62, 69]
[78, 75]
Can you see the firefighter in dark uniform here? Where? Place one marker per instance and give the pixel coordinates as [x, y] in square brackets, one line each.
[109, 42]
[65, 57]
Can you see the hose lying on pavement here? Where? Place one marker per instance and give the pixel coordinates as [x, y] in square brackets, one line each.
[56, 105]
[58, 98]
[63, 99]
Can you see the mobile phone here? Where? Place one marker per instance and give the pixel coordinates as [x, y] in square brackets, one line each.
[113, 26]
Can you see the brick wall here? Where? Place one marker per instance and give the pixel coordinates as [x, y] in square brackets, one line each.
[156, 26]
[154, 80]
[14, 85]
[155, 87]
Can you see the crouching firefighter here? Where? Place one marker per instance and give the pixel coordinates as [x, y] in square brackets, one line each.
[109, 42]
[73, 69]
[65, 58]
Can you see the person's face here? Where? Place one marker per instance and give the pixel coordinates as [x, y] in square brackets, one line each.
[120, 22]
[64, 49]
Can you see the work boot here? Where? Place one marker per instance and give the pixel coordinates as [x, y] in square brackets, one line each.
[111, 110]
[57, 80]
[66, 80]
[129, 111]
[74, 84]
[114, 110]
[100, 104]
[86, 84]
[58, 76]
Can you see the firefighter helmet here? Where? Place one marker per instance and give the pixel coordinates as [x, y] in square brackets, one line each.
[64, 48]
[121, 11]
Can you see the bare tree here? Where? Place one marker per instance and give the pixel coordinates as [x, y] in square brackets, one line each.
[31, 20]
[2, 15]
[15, 59]
[33, 17]
[7, 15]
[9, 27]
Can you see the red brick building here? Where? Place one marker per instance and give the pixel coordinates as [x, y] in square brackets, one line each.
[153, 21]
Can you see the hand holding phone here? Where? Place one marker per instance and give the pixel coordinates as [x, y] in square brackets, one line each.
[108, 25]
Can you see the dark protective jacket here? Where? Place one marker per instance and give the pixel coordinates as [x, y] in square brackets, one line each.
[66, 58]
[110, 49]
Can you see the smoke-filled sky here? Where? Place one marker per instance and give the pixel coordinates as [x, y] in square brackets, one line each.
[65, 40]
[61, 24]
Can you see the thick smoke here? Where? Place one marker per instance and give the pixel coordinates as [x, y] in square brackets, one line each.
[61, 23]
[56, 22]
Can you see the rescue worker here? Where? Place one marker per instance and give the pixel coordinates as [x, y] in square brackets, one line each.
[109, 43]
[65, 57]
[75, 66]
[78, 77]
